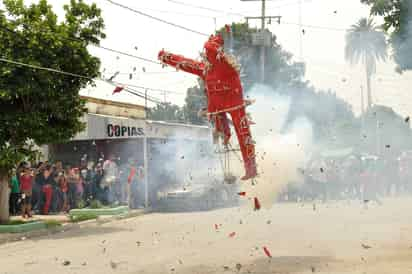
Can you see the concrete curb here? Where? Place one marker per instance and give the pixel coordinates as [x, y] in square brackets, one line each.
[20, 228]
[99, 211]
[13, 237]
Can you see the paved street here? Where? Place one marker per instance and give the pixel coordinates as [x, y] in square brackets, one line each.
[333, 238]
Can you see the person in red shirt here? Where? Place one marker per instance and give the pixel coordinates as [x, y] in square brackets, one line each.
[26, 188]
[64, 188]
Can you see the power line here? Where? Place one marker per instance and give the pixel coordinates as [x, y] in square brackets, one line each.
[152, 89]
[128, 54]
[314, 26]
[181, 13]
[243, 15]
[94, 45]
[205, 8]
[155, 100]
[156, 18]
[44, 68]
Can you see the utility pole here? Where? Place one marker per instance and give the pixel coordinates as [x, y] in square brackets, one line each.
[262, 49]
[362, 113]
[300, 32]
[145, 103]
[263, 40]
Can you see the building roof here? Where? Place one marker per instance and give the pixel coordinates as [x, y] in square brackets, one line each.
[111, 103]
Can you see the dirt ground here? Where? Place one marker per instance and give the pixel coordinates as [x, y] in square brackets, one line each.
[328, 238]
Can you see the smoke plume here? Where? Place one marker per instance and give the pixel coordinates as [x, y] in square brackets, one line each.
[279, 155]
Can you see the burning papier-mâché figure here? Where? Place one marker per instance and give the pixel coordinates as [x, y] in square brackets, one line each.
[224, 94]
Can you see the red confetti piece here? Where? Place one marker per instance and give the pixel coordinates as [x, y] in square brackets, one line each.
[257, 204]
[267, 252]
[242, 193]
[117, 90]
[231, 235]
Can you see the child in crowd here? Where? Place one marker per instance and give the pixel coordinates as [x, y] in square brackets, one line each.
[14, 195]
[26, 186]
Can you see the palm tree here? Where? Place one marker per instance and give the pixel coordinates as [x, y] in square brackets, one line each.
[366, 43]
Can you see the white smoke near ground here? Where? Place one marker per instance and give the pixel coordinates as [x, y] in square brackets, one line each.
[184, 164]
[279, 156]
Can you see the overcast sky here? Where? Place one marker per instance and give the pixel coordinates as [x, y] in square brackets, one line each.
[323, 45]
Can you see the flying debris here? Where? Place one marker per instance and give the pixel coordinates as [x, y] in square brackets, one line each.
[113, 265]
[267, 252]
[257, 204]
[130, 76]
[117, 90]
[143, 69]
[114, 76]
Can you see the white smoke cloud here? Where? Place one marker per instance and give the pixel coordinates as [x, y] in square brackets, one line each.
[278, 155]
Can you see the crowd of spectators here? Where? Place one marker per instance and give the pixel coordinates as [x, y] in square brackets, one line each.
[51, 188]
[354, 177]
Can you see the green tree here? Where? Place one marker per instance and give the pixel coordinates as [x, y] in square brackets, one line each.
[280, 68]
[166, 112]
[38, 106]
[195, 101]
[365, 43]
[398, 22]
[385, 132]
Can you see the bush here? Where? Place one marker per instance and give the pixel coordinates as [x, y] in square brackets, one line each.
[83, 217]
[52, 223]
[81, 204]
[17, 222]
[95, 204]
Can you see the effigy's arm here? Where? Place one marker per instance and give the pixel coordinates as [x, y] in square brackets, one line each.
[182, 63]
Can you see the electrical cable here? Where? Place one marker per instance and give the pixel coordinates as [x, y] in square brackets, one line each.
[155, 100]
[94, 45]
[156, 18]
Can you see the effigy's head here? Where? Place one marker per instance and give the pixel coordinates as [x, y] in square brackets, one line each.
[213, 46]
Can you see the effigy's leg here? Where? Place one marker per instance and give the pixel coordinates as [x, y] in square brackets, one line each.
[247, 146]
[222, 126]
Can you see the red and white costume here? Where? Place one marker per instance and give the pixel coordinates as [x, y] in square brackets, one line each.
[224, 93]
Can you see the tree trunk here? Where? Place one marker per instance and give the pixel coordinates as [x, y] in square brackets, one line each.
[4, 197]
[368, 86]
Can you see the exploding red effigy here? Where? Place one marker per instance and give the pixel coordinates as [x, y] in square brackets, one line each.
[224, 95]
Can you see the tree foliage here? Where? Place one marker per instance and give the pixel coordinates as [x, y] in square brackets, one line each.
[194, 102]
[366, 44]
[398, 22]
[280, 68]
[165, 112]
[385, 131]
[42, 106]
